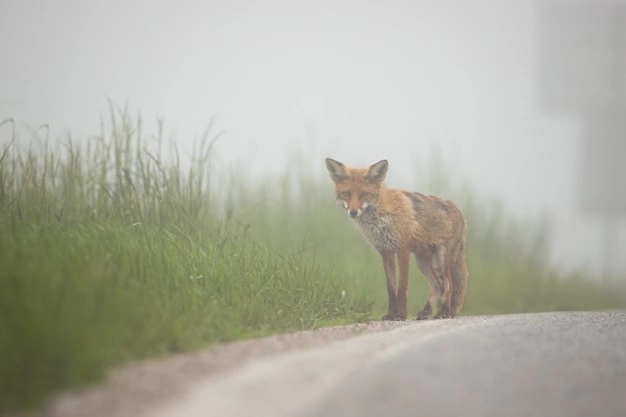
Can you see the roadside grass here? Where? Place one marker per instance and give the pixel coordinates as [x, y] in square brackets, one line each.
[109, 254]
[114, 251]
[75, 300]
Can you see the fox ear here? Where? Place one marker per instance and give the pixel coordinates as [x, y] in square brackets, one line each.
[377, 171]
[337, 170]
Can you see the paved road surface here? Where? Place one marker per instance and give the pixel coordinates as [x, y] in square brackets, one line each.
[550, 364]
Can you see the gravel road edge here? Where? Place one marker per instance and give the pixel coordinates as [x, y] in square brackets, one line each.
[132, 389]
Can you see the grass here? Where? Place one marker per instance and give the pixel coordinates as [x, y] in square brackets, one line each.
[78, 299]
[115, 250]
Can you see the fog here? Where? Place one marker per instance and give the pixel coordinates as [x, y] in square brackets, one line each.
[359, 82]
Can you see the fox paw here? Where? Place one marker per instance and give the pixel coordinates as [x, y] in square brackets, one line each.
[423, 315]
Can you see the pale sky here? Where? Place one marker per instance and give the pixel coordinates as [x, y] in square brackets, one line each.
[357, 81]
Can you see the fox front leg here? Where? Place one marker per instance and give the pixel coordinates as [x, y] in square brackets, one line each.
[389, 264]
[403, 284]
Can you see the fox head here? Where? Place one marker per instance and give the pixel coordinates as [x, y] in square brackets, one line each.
[357, 189]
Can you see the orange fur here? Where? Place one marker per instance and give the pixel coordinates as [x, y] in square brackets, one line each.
[398, 223]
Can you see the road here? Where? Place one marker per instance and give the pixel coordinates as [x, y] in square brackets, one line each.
[548, 364]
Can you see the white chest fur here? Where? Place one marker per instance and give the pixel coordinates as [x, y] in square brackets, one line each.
[378, 230]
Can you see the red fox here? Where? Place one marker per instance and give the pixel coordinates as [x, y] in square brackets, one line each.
[398, 223]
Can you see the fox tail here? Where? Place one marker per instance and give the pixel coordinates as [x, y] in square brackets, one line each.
[460, 277]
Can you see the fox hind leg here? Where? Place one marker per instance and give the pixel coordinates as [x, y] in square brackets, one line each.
[425, 263]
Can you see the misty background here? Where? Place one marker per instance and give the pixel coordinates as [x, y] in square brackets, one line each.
[520, 103]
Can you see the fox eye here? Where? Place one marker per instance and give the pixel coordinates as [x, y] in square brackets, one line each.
[345, 195]
[365, 196]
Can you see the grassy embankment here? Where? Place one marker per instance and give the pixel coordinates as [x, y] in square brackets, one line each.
[108, 253]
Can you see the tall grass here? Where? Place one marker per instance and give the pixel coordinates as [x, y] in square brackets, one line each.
[112, 251]
[115, 249]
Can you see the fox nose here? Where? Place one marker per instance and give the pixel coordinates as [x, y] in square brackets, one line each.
[353, 213]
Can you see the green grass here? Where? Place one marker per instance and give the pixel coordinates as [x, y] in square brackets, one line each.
[77, 299]
[115, 250]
